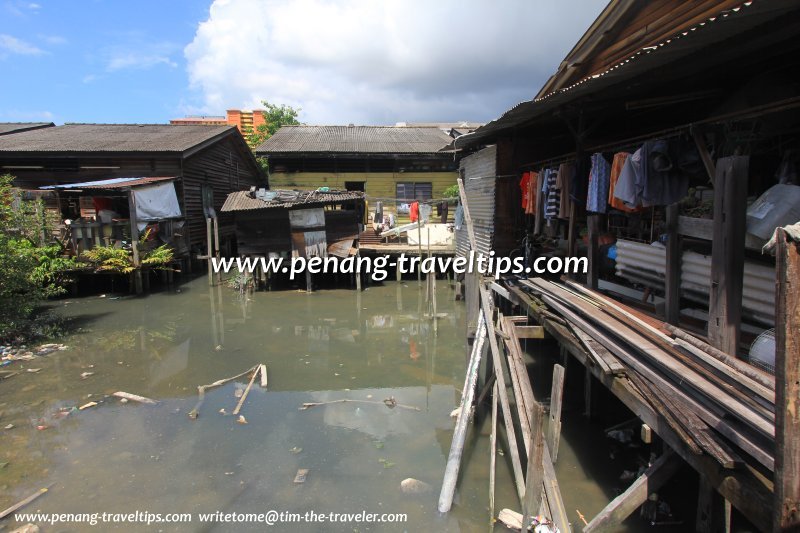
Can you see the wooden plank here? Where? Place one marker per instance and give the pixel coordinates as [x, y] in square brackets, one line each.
[529, 332]
[672, 291]
[787, 385]
[626, 503]
[712, 419]
[727, 253]
[702, 148]
[246, 391]
[535, 475]
[554, 427]
[750, 493]
[511, 435]
[462, 423]
[492, 456]
[599, 353]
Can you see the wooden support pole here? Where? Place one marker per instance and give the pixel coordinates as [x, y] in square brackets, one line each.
[787, 385]
[554, 426]
[587, 393]
[702, 148]
[462, 423]
[572, 234]
[673, 279]
[535, 475]
[626, 503]
[593, 223]
[216, 246]
[492, 457]
[209, 252]
[710, 509]
[137, 273]
[727, 253]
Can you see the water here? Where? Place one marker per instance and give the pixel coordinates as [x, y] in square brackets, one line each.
[325, 346]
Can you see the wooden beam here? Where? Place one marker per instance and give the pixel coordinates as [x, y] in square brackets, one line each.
[626, 503]
[492, 456]
[702, 148]
[710, 509]
[727, 253]
[535, 475]
[787, 385]
[554, 426]
[672, 292]
[529, 332]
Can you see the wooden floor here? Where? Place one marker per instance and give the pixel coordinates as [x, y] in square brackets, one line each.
[408, 249]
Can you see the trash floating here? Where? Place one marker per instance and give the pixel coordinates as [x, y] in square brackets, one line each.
[301, 475]
[414, 486]
[87, 405]
[295, 450]
[241, 419]
[134, 397]
[389, 402]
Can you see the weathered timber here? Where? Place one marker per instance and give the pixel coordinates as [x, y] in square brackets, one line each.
[492, 456]
[246, 391]
[554, 427]
[462, 423]
[727, 253]
[787, 385]
[626, 503]
[672, 291]
[535, 474]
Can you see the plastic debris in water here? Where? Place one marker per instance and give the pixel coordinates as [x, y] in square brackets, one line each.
[241, 419]
[295, 450]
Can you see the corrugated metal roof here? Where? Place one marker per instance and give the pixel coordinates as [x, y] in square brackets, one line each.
[355, 140]
[110, 184]
[74, 138]
[245, 201]
[679, 47]
[17, 127]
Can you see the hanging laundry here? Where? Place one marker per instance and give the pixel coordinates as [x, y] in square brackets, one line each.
[566, 172]
[628, 189]
[551, 192]
[599, 177]
[616, 170]
[458, 217]
[533, 181]
[413, 212]
[378, 217]
[523, 186]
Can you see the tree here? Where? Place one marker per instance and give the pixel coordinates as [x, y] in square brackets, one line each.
[275, 117]
[32, 269]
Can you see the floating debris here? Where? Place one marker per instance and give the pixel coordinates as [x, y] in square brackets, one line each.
[33, 370]
[301, 475]
[241, 419]
[85, 375]
[295, 450]
[87, 405]
[414, 486]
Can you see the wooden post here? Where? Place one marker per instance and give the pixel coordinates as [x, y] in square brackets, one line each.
[571, 233]
[216, 247]
[208, 252]
[673, 280]
[623, 505]
[702, 149]
[309, 285]
[787, 385]
[587, 393]
[710, 509]
[462, 423]
[492, 456]
[727, 253]
[593, 222]
[137, 273]
[554, 427]
[535, 474]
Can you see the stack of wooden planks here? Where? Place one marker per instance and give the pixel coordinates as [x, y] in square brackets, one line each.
[716, 404]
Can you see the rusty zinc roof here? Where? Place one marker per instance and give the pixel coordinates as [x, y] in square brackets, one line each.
[286, 199]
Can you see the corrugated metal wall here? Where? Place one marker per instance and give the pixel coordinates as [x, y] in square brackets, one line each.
[646, 264]
[479, 172]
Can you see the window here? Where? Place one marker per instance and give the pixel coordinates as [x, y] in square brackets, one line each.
[408, 192]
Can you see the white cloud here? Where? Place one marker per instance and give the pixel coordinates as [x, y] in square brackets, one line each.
[137, 60]
[368, 62]
[11, 45]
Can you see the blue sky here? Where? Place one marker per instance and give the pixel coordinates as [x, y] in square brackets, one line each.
[341, 62]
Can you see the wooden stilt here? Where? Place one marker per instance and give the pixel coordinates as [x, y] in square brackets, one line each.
[535, 476]
[209, 252]
[672, 293]
[623, 505]
[710, 509]
[787, 385]
[554, 427]
[587, 393]
[492, 457]
[727, 253]
[593, 223]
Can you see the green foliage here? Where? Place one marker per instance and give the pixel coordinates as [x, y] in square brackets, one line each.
[275, 117]
[451, 191]
[120, 260]
[30, 270]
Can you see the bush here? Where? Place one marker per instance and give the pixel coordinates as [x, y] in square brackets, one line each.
[30, 270]
[451, 191]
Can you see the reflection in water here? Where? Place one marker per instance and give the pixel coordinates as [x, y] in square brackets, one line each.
[329, 345]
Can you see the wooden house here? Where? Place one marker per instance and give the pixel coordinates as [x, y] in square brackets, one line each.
[205, 164]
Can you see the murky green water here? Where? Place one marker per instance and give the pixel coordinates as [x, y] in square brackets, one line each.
[331, 345]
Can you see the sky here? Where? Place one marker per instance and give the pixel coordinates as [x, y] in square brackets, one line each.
[339, 62]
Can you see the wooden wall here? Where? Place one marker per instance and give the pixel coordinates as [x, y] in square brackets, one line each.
[225, 168]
